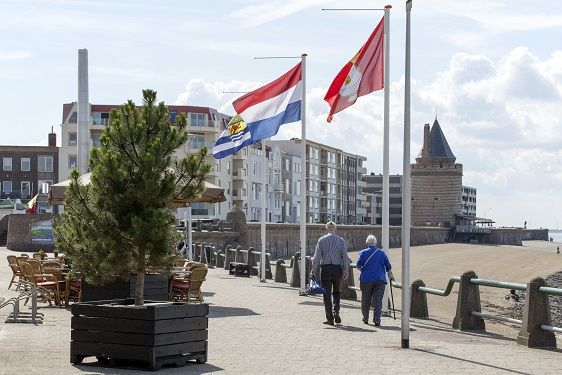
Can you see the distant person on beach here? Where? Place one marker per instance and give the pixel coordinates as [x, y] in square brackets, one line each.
[331, 256]
[557, 250]
[373, 264]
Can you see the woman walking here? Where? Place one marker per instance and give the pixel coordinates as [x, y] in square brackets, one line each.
[374, 265]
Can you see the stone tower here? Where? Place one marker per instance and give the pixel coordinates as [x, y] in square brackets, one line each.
[436, 181]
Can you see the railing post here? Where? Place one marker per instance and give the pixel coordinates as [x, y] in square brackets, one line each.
[228, 257]
[536, 313]
[468, 301]
[219, 260]
[346, 292]
[418, 301]
[252, 261]
[268, 274]
[296, 271]
[280, 272]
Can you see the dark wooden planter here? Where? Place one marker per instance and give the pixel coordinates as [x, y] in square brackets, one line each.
[154, 334]
[155, 289]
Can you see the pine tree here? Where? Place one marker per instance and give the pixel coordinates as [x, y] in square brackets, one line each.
[120, 223]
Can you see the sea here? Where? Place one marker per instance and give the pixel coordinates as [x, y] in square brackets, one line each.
[556, 235]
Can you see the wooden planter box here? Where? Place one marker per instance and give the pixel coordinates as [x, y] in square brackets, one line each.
[155, 289]
[154, 334]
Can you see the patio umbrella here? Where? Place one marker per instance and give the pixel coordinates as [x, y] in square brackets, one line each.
[211, 193]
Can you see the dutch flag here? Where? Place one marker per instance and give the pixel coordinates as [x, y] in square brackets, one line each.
[261, 112]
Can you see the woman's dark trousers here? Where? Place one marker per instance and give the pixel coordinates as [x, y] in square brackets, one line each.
[330, 277]
[371, 293]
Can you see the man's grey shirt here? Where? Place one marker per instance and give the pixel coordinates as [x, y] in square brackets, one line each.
[330, 249]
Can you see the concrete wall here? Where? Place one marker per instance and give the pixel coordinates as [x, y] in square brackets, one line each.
[514, 236]
[283, 238]
[19, 233]
[219, 239]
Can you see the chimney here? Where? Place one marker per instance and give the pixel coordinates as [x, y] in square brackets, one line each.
[425, 150]
[83, 111]
[52, 138]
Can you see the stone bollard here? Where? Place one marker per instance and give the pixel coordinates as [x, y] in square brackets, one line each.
[418, 304]
[468, 300]
[280, 272]
[219, 259]
[268, 274]
[238, 255]
[346, 292]
[535, 314]
[296, 271]
[228, 257]
[252, 262]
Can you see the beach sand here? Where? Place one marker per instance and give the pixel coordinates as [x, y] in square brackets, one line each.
[435, 264]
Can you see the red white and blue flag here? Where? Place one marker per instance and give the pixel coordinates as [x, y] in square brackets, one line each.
[260, 113]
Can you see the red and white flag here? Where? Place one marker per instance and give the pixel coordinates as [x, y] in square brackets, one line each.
[363, 74]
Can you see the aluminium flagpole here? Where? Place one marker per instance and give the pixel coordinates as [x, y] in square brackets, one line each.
[406, 200]
[386, 142]
[263, 211]
[304, 195]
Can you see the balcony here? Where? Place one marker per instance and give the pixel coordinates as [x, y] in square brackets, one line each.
[239, 174]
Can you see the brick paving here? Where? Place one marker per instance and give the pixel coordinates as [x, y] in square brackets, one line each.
[257, 328]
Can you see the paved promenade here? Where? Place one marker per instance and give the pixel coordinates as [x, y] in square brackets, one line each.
[257, 328]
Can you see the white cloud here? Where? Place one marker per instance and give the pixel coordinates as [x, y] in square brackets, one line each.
[15, 55]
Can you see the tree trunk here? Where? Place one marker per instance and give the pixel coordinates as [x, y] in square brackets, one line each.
[139, 288]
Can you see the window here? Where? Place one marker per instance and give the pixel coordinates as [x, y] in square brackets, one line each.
[96, 139]
[44, 163]
[172, 116]
[25, 189]
[72, 161]
[196, 141]
[72, 139]
[73, 118]
[44, 185]
[197, 119]
[7, 187]
[100, 118]
[25, 164]
[7, 164]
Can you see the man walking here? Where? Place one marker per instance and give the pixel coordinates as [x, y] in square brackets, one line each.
[331, 256]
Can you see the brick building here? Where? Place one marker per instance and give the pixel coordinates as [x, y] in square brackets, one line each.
[28, 170]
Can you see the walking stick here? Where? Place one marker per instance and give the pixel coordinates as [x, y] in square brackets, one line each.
[392, 299]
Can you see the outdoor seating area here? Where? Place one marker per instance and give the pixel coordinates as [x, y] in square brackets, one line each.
[186, 280]
[50, 274]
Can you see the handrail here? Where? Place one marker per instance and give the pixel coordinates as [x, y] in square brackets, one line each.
[549, 290]
[440, 292]
[499, 284]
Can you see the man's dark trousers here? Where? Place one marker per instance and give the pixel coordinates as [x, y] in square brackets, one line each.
[330, 278]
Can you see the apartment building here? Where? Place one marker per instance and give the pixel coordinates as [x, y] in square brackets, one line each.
[204, 126]
[333, 182]
[374, 186]
[28, 170]
[468, 204]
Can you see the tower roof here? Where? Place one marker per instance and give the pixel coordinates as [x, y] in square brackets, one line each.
[438, 146]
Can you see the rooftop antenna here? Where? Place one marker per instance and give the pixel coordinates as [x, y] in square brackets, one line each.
[435, 113]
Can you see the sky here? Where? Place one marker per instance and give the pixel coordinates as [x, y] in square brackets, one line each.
[491, 71]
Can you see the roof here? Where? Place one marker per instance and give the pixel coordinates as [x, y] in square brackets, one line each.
[438, 145]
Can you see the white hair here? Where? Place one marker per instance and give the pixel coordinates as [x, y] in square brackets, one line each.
[371, 240]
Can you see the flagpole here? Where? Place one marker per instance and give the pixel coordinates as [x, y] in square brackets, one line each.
[386, 143]
[263, 211]
[406, 200]
[304, 195]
